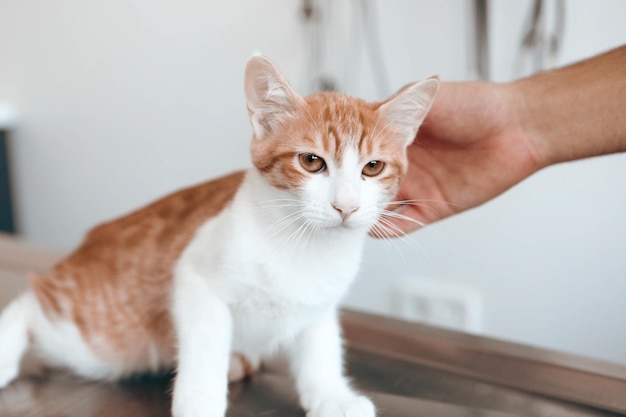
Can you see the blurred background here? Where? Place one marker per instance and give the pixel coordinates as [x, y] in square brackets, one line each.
[108, 105]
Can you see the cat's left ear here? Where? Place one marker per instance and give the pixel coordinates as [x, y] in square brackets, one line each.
[271, 100]
[405, 111]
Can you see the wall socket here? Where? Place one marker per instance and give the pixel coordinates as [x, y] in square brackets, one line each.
[444, 304]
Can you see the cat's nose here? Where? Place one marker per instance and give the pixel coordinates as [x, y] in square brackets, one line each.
[345, 210]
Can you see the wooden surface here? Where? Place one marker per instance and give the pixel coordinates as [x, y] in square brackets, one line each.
[17, 259]
[408, 370]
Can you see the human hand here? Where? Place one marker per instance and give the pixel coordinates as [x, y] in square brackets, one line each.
[480, 139]
[470, 148]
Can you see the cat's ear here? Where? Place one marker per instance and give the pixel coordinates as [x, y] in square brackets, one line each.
[271, 100]
[405, 111]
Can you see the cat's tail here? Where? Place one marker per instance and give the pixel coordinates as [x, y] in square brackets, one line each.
[14, 337]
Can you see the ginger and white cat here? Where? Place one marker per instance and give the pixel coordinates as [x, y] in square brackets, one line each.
[215, 278]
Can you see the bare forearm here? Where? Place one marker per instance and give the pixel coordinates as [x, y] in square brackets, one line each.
[576, 111]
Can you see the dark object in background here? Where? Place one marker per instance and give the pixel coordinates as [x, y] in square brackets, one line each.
[7, 223]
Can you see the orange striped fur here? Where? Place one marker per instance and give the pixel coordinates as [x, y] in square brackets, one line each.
[116, 285]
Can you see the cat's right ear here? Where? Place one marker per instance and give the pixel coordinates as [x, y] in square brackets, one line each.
[405, 111]
[271, 100]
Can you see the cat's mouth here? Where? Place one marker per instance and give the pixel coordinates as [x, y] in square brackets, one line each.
[342, 225]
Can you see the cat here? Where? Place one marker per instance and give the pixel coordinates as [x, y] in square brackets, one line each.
[215, 278]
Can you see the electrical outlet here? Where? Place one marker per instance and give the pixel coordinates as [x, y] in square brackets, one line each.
[444, 304]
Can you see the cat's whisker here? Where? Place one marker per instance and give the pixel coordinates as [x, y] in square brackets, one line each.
[395, 231]
[389, 233]
[307, 233]
[312, 229]
[400, 204]
[383, 233]
[278, 231]
[396, 215]
[294, 239]
[279, 206]
[295, 232]
[424, 203]
[273, 200]
[281, 224]
[279, 203]
[405, 218]
[422, 200]
[386, 241]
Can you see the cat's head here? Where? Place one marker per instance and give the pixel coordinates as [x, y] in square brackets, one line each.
[341, 158]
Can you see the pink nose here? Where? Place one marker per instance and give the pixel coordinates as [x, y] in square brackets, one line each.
[345, 211]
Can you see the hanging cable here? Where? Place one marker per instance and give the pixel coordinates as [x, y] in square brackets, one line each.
[325, 39]
[316, 29]
[539, 48]
[374, 47]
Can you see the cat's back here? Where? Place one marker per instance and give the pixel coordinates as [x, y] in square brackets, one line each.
[164, 225]
[116, 285]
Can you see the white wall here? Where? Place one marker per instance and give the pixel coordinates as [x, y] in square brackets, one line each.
[119, 102]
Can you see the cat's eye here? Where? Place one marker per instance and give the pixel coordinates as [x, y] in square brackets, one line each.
[373, 168]
[312, 163]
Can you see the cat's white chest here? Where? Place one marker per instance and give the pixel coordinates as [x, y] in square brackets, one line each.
[276, 296]
[262, 323]
[272, 287]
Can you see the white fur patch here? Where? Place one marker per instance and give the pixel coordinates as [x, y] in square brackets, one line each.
[13, 340]
[60, 343]
[260, 290]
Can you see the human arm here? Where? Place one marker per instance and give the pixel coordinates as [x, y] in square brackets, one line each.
[480, 139]
[578, 111]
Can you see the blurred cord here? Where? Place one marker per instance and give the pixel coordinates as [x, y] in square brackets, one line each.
[479, 38]
[322, 38]
[352, 56]
[314, 23]
[539, 47]
[375, 51]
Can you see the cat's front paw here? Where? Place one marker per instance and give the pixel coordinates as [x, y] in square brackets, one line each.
[352, 406]
[7, 374]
